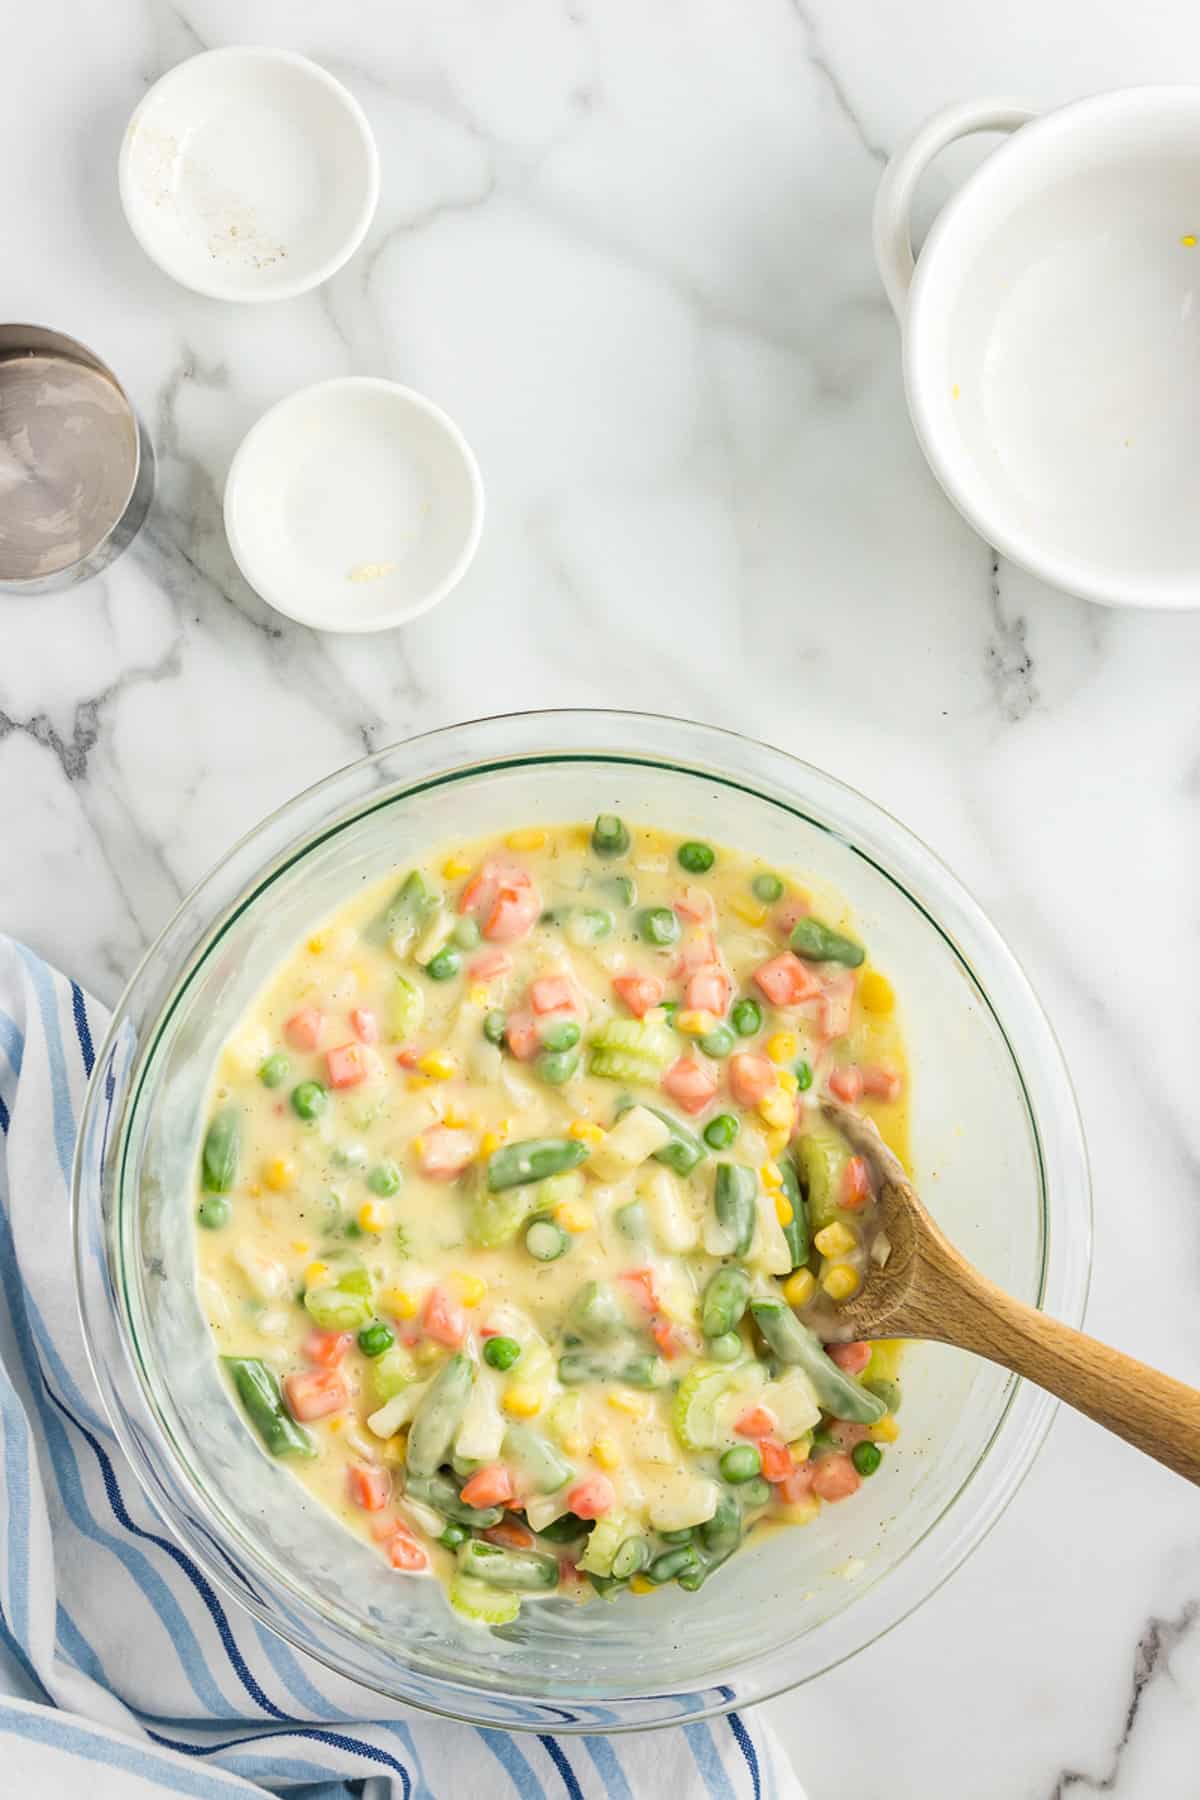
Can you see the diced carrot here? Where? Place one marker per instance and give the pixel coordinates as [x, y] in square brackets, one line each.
[776, 1459]
[521, 1036]
[445, 1152]
[553, 993]
[591, 1498]
[515, 913]
[851, 1357]
[708, 991]
[326, 1348]
[383, 1526]
[487, 1331]
[786, 981]
[846, 1084]
[845, 1433]
[366, 1025]
[404, 1552]
[490, 1486]
[698, 951]
[479, 895]
[509, 1535]
[695, 904]
[856, 1185]
[751, 1077]
[312, 1393]
[672, 1339]
[489, 964]
[370, 1486]
[408, 1055]
[347, 1065]
[836, 1004]
[640, 992]
[692, 1083]
[443, 1319]
[755, 1422]
[303, 1029]
[835, 1478]
[882, 1084]
[798, 1485]
[644, 1285]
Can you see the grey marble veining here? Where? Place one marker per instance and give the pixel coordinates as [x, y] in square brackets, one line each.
[627, 246]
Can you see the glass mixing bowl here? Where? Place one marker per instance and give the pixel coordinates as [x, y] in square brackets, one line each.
[999, 1158]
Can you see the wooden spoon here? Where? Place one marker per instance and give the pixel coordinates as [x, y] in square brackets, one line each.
[926, 1289]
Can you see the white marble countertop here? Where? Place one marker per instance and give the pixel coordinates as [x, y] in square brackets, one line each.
[627, 245]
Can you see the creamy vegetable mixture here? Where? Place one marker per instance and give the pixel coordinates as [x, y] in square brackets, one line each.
[520, 1231]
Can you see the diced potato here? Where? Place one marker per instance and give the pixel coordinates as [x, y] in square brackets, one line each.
[671, 1219]
[675, 1498]
[481, 1433]
[769, 1250]
[267, 1277]
[398, 1410]
[634, 1138]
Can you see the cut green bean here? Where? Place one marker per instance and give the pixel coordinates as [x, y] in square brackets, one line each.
[535, 1459]
[671, 1564]
[885, 1390]
[595, 1314]
[735, 1197]
[531, 1160]
[259, 1392]
[725, 1300]
[632, 1554]
[804, 1075]
[405, 912]
[518, 1570]
[466, 933]
[495, 1219]
[793, 1343]
[440, 1492]
[219, 1158]
[795, 1232]
[818, 943]
[546, 1241]
[683, 1149]
[565, 1530]
[610, 837]
[439, 1415]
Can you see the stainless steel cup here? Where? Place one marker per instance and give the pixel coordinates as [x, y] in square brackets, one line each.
[76, 462]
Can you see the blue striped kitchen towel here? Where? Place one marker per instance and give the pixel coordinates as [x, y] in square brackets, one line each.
[122, 1672]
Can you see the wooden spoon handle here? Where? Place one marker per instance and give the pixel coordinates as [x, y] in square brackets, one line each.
[1148, 1409]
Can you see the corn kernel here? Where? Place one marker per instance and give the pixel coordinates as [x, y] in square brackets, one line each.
[302, 1246]
[438, 1065]
[573, 1216]
[469, 1288]
[279, 1173]
[799, 1512]
[788, 1082]
[586, 1133]
[885, 1430]
[317, 943]
[528, 839]
[400, 1303]
[777, 1141]
[876, 993]
[580, 836]
[783, 1209]
[477, 994]
[769, 1175]
[799, 1288]
[418, 1143]
[487, 1143]
[836, 1239]
[606, 1452]
[624, 1400]
[374, 1215]
[750, 910]
[574, 1443]
[639, 1585]
[454, 1115]
[696, 1022]
[841, 1282]
[337, 1422]
[455, 867]
[783, 1046]
[315, 1274]
[427, 1354]
[800, 1449]
[395, 1448]
[254, 1190]
[521, 1402]
[416, 1083]
[776, 1109]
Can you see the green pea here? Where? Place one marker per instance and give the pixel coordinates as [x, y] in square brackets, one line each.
[453, 1536]
[445, 965]
[385, 1179]
[562, 1035]
[610, 836]
[214, 1211]
[275, 1071]
[885, 1390]
[309, 1100]
[767, 887]
[557, 1066]
[741, 1463]
[501, 1352]
[545, 1240]
[375, 1338]
[755, 1493]
[718, 1042]
[695, 857]
[720, 1132]
[724, 1349]
[466, 933]
[659, 925]
[494, 1026]
[866, 1457]
[747, 1017]
[804, 1076]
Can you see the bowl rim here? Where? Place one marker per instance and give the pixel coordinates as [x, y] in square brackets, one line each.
[1037, 1409]
[211, 285]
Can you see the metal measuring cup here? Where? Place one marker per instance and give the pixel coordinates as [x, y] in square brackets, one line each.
[76, 462]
